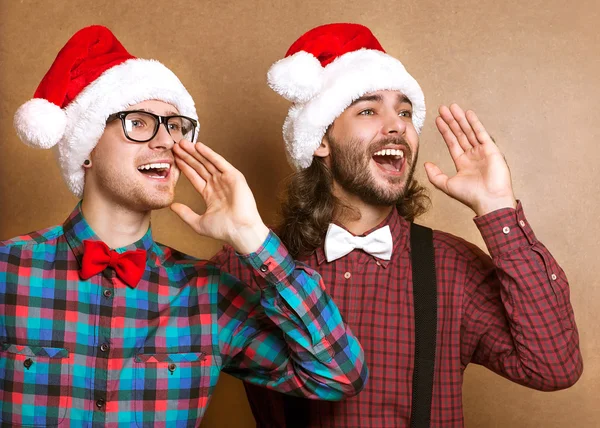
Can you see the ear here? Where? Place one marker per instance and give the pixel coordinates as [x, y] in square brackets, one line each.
[323, 150]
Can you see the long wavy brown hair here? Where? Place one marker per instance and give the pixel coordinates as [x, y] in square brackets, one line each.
[308, 205]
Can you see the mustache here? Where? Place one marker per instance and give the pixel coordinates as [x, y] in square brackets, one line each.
[391, 141]
[168, 158]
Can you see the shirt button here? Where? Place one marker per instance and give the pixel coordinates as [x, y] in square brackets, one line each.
[506, 230]
[522, 223]
[100, 403]
[553, 276]
[264, 268]
[107, 293]
[104, 347]
[347, 275]
[172, 367]
[28, 363]
[378, 263]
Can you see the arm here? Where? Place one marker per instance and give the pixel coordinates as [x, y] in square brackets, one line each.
[517, 317]
[289, 336]
[282, 331]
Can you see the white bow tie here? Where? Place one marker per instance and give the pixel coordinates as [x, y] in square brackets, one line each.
[340, 242]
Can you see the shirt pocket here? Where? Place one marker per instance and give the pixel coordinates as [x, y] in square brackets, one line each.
[171, 390]
[35, 385]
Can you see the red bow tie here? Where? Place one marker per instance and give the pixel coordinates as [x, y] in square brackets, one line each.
[129, 266]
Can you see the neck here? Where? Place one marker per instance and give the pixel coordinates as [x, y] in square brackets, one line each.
[114, 224]
[363, 216]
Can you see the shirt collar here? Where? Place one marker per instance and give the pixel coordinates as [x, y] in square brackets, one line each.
[77, 229]
[398, 228]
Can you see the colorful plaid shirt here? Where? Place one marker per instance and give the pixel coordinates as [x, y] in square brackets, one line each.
[98, 353]
[510, 313]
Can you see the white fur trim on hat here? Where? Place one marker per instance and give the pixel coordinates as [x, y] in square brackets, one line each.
[344, 80]
[116, 89]
[297, 78]
[40, 123]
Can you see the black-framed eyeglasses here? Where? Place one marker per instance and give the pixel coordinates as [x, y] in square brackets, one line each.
[141, 126]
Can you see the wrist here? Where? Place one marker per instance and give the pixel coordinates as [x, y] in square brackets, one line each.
[488, 206]
[248, 239]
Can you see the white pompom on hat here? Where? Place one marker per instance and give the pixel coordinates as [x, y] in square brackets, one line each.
[92, 77]
[323, 72]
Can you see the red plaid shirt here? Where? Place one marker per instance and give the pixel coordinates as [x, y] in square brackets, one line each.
[510, 313]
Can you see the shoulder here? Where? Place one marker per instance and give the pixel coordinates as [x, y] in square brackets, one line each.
[460, 261]
[32, 240]
[189, 265]
[451, 246]
[208, 274]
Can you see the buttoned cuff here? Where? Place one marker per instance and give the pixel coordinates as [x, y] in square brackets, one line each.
[505, 230]
[271, 261]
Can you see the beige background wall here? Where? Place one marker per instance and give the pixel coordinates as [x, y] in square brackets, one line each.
[529, 69]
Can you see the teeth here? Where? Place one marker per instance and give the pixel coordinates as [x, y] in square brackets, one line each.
[154, 166]
[399, 154]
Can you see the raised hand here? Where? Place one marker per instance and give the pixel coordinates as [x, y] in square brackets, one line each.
[482, 180]
[231, 214]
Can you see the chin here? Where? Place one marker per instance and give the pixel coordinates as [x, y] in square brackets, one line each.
[151, 201]
[158, 203]
[387, 193]
[156, 206]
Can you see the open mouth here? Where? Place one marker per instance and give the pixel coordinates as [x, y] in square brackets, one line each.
[390, 160]
[155, 170]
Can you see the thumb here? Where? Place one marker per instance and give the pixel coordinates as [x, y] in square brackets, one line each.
[437, 177]
[188, 216]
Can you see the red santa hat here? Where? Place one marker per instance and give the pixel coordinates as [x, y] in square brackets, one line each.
[92, 77]
[323, 72]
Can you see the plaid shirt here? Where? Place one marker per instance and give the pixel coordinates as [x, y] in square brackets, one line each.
[510, 313]
[98, 353]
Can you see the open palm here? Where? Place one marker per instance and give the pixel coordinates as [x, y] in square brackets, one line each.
[482, 180]
[231, 214]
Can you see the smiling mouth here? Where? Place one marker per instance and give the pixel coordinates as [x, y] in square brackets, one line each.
[390, 160]
[155, 170]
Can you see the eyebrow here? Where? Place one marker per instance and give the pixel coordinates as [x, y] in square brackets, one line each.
[169, 113]
[378, 98]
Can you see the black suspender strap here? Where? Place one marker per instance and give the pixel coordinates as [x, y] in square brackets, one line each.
[425, 302]
[296, 411]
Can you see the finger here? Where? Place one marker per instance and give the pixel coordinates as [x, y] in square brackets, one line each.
[450, 139]
[436, 177]
[186, 158]
[460, 136]
[190, 148]
[478, 128]
[192, 175]
[188, 216]
[464, 124]
[214, 158]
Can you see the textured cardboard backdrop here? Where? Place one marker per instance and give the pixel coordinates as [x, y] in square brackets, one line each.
[529, 69]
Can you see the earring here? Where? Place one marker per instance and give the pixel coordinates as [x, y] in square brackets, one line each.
[87, 162]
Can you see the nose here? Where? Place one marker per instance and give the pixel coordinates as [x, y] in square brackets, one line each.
[393, 124]
[162, 139]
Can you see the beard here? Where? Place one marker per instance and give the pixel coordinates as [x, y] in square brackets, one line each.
[133, 193]
[350, 167]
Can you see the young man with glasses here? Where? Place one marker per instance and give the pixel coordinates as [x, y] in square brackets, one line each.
[102, 326]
